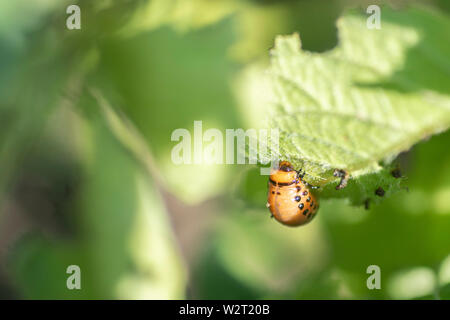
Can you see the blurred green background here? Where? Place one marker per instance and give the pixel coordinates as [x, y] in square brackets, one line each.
[86, 174]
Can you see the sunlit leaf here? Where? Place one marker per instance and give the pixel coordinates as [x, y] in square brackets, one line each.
[336, 110]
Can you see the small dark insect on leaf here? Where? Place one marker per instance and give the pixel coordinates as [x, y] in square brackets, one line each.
[367, 204]
[380, 192]
[339, 173]
[396, 173]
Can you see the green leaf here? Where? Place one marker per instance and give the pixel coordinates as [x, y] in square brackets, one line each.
[138, 75]
[266, 262]
[413, 283]
[358, 106]
[123, 241]
[181, 15]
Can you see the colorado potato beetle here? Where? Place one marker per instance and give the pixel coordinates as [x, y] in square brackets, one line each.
[290, 199]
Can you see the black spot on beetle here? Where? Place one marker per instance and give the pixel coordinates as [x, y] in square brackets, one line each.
[278, 193]
[301, 206]
[308, 199]
[297, 198]
[312, 204]
[305, 212]
[273, 192]
[298, 188]
[309, 215]
[380, 192]
[305, 193]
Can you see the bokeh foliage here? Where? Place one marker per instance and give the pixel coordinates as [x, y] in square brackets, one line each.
[86, 117]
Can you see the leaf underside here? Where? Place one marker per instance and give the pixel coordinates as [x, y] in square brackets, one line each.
[358, 106]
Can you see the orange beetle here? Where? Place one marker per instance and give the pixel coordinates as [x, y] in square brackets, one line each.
[290, 199]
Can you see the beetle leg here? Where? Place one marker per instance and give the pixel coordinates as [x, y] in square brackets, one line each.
[301, 173]
[310, 185]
